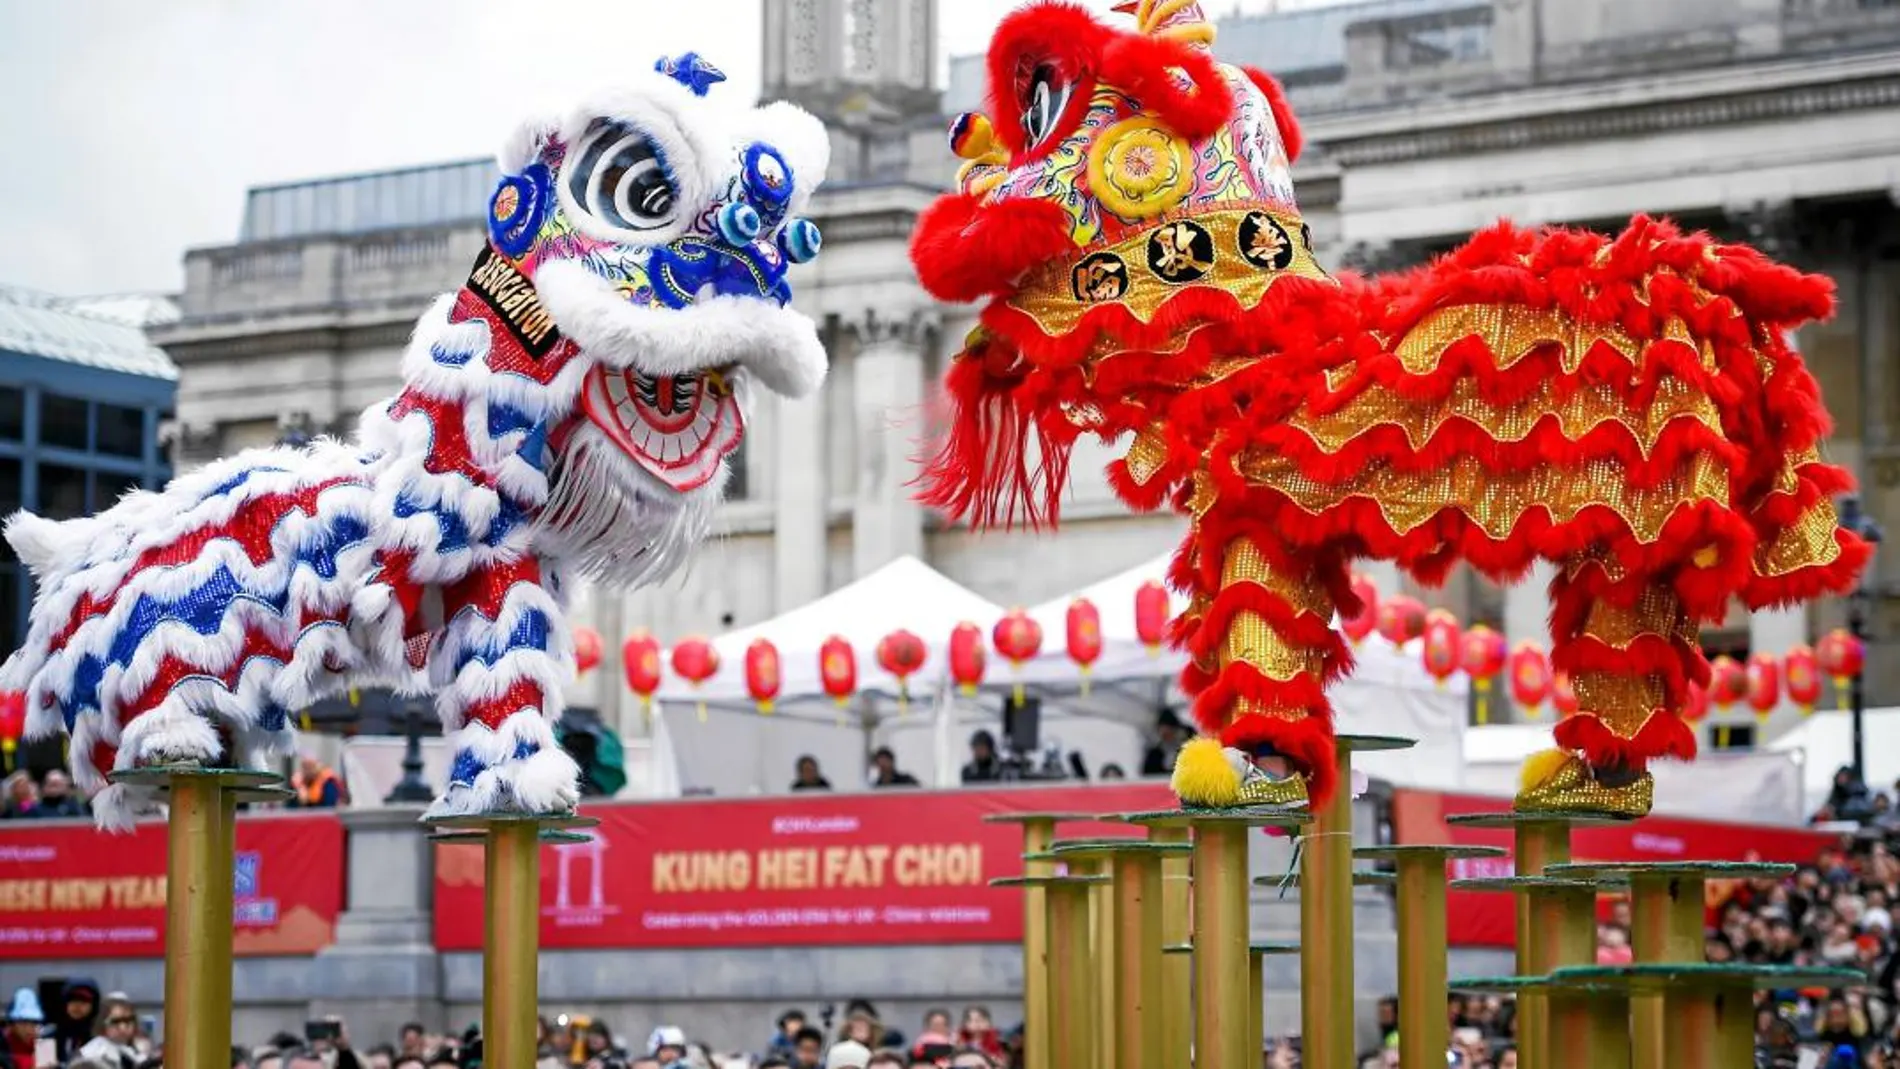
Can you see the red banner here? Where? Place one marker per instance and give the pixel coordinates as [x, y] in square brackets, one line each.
[897, 866]
[1479, 919]
[71, 891]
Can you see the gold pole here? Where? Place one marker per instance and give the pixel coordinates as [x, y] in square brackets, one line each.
[1735, 1025]
[1221, 983]
[1538, 845]
[1177, 970]
[510, 955]
[1424, 1030]
[1326, 988]
[197, 950]
[1610, 1031]
[1101, 952]
[221, 916]
[1563, 932]
[1037, 834]
[1658, 934]
[1137, 965]
[1692, 1040]
[1071, 982]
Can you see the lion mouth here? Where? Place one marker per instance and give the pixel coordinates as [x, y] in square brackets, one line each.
[676, 427]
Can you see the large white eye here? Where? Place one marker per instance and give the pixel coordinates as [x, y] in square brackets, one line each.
[619, 176]
[1047, 98]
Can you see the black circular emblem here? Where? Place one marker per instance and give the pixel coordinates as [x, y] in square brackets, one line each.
[1181, 252]
[1100, 276]
[1264, 242]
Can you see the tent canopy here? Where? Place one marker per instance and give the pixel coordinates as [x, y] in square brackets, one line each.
[906, 593]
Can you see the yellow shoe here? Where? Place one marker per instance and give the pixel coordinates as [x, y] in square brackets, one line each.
[1555, 781]
[1208, 776]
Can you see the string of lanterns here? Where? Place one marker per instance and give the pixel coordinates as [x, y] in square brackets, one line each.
[1447, 649]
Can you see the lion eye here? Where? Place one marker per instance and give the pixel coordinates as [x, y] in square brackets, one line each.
[620, 177]
[1048, 97]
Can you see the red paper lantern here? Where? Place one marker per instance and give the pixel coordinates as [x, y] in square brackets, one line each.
[1401, 619]
[1841, 656]
[1018, 638]
[695, 660]
[1360, 624]
[640, 660]
[1482, 658]
[12, 720]
[838, 668]
[1084, 626]
[901, 654]
[1802, 673]
[1151, 615]
[763, 677]
[1695, 703]
[1762, 684]
[587, 649]
[966, 657]
[1563, 696]
[1728, 682]
[1441, 653]
[1530, 676]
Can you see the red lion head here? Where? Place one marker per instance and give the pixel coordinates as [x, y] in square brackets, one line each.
[1126, 190]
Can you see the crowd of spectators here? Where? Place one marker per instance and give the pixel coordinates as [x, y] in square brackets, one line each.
[87, 1030]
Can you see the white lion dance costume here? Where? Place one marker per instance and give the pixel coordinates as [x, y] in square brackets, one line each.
[567, 412]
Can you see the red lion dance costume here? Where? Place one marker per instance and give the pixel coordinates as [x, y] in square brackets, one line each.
[1628, 408]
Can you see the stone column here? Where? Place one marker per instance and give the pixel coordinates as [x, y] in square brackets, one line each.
[885, 522]
[800, 491]
[383, 970]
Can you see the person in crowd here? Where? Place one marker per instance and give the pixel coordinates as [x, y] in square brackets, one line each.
[773, 1062]
[1170, 734]
[885, 773]
[19, 797]
[410, 1061]
[667, 1045]
[861, 1027]
[972, 1059]
[57, 798]
[383, 1056]
[1111, 771]
[74, 1022]
[808, 777]
[785, 1040]
[118, 1026]
[20, 1030]
[885, 1059]
[808, 1049]
[847, 1054]
[984, 766]
[317, 784]
[978, 1032]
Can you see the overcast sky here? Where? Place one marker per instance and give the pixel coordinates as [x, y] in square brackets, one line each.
[133, 127]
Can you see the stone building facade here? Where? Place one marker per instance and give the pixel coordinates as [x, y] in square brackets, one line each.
[1777, 121]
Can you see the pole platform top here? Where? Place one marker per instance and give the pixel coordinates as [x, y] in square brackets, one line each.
[1258, 949]
[161, 776]
[1512, 818]
[548, 835]
[1372, 743]
[1635, 870]
[1113, 848]
[1047, 881]
[1360, 878]
[482, 822]
[1514, 985]
[1536, 883]
[1447, 852]
[1703, 977]
[1245, 816]
[1051, 818]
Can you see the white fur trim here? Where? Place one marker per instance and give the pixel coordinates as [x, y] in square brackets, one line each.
[777, 344]
[545, 782]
